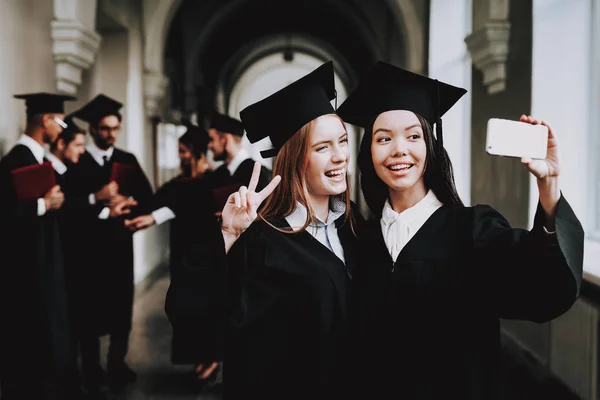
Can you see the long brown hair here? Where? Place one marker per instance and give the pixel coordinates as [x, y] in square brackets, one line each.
[291, 163]
[438, 175]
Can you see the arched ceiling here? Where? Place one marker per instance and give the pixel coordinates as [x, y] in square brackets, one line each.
[208, 39]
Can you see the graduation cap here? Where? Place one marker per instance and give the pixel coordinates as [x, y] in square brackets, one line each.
[387, 87]
[283, 113]
[98, 108]
[196, 138]
[44, 103]
[224, 123]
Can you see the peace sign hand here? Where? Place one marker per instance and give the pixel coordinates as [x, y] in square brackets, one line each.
[241, 207]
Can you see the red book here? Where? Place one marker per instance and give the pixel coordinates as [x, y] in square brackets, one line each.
[221, 194]
[124, 175]
[33, 181]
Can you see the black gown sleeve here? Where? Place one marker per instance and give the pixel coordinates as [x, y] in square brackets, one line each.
[225, 285]
[199, 294]
[142, 191]
[527, 275]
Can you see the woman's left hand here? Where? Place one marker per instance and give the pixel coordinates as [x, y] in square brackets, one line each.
[548, 167]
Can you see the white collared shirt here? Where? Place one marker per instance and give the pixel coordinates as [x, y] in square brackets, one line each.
[57, 164]
[38, 152]
[399, 228]
[98, 154]
[324, 232]
[37, 149]
[237, 160]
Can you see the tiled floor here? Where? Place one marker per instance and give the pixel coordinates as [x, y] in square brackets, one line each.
[150, 350]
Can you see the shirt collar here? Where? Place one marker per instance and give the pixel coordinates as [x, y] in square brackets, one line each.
[297, 218]
[37, 149]
[241, 156]
[98, 153]
[415, 215]
[58, 165]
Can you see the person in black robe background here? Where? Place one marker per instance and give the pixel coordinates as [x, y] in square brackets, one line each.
[185, 201]
[35, 354]
[65, 152]
[225, 142]
[281, 291]
[106, 296]
[436, 276]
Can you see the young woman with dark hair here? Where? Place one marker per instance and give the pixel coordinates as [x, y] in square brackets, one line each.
[436, 275]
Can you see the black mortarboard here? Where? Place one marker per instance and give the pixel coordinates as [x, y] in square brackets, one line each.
[387, 87]
[196, 137]
[98, 108]
[44, 103]
[226, 124]
[283, 113]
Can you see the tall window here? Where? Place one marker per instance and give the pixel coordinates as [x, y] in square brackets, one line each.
[594, 133]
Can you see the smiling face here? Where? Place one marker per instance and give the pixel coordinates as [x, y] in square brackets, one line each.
[328, 154]
[399, 152]
[106, 131]
[75, 148]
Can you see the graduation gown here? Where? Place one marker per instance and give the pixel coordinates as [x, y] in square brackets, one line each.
[281, 300]
[34, 338]
[427, 323]
[75, 208]
[104, 279]
[189, 199]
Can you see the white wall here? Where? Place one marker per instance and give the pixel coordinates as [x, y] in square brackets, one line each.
[449, 61]
[561, 69]
[26, 61]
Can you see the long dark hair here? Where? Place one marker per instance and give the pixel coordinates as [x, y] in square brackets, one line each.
[438, 176]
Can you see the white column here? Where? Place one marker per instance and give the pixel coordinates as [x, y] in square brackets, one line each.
[561, 94]
[75, 41]
[449, 61]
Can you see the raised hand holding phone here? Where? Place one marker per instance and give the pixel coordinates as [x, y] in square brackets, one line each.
[549, 166]
[241, 207]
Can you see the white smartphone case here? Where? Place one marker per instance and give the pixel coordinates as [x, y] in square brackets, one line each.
[516, 139]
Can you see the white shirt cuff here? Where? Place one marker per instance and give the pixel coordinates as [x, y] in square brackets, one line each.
[92, 199]
[162, 215]
[105, 213]
[41, 209]
[548, 232]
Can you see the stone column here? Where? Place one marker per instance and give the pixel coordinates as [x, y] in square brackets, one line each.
[488, 43]
[74, 41]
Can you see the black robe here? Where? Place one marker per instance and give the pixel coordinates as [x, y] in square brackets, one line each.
[104, 278]
[194, 207]
[189, 199]
[428, 323]
[222, 177]
[76, 208]
[281, 300]
[34, 338]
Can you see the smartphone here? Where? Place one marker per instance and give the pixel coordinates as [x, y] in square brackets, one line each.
[516, 139]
